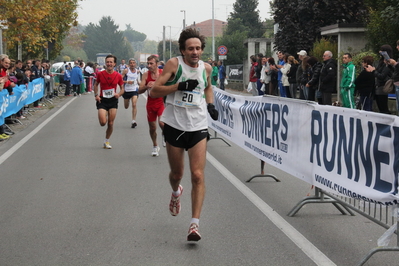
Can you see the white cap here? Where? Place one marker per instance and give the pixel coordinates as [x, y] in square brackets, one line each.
[302, 52]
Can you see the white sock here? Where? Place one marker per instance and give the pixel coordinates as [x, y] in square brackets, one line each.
[194, 221]
[133, 121]
[106, 140]
[177, 193]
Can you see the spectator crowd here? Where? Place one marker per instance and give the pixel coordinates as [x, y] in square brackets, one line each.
[307, 78]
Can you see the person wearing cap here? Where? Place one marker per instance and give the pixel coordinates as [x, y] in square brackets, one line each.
[299, 72]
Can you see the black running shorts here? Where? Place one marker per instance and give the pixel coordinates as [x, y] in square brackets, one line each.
[183, 139]
[130, 94]
[107, 103]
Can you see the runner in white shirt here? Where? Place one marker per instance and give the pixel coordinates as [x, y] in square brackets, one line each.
[131, 80]
[122, 66]
[186, 82]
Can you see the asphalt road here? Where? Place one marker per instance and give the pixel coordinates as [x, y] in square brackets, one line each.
[64, 200]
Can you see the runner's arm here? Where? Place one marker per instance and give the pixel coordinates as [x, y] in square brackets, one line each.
[208, 90]
[143, 87]
[159, 89]
[95, 89]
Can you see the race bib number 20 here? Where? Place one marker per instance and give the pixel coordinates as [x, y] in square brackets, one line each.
[188, 98]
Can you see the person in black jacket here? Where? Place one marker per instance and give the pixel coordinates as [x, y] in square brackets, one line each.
[395, 77]
[382, 73]
[314, 81]
[292, 76]
[328, 78]
[365, 84]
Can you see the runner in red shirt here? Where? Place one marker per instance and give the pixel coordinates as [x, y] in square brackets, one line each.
[107, 99]
[155, 106]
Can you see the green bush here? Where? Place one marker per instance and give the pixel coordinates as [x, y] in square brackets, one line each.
[322, 45]
[357, 59]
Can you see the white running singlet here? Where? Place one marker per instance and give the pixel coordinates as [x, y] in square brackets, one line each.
[186, 110]
[132, 77]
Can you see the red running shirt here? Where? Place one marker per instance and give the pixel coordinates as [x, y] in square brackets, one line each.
[109, 81]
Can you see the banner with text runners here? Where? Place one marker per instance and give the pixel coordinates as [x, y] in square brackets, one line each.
[344, 151]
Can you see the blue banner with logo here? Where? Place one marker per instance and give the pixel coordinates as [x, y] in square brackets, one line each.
[11, 104]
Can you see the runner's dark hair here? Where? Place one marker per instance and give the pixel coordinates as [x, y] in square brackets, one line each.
[187, 34]
[111, 56]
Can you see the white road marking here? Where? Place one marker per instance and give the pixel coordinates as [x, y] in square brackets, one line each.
[18, 145]
[305, 245]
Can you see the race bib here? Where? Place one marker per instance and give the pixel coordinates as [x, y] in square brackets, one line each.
[188, 98]
[108, 93]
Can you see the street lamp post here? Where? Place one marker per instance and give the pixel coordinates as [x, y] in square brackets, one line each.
[170, 41]
[184, 20]
[213, 31]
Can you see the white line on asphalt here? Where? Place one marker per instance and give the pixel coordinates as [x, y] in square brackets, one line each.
[30, 135]
[305, 245]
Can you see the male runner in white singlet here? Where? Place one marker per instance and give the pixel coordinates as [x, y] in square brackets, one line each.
[186, 82]
[130, 79]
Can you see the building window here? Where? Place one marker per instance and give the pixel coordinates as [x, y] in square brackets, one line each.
[256, 48]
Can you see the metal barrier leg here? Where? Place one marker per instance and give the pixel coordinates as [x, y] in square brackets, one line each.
[379, 249]
[262, 170]
[216, 137]
[319, 197]
[375, 250]
[265, 175]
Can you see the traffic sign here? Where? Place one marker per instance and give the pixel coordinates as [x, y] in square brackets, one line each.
[222, 50]
[222, 57]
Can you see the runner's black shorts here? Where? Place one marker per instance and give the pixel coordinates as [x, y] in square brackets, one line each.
[130, 94]
[107, 103]
[183, 139]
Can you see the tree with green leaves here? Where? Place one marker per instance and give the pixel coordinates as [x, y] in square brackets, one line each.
[299, 21]
[382, 24]
[132, 35]
[175, 49]
[247, 13]
[235, 45]
[135, 38]
[37, 25]
[244, 22]
[106, 38]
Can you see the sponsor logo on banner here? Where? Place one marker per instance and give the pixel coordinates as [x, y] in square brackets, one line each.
[235, 72]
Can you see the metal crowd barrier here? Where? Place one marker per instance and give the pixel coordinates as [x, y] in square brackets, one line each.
[385, 216]
[58, 87]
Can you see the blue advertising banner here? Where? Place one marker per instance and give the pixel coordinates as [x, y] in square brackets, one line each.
[11, 104]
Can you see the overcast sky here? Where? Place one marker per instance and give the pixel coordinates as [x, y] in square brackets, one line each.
[149, 17]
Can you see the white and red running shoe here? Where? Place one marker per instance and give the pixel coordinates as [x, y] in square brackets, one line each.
[174, 205]
[193, 234]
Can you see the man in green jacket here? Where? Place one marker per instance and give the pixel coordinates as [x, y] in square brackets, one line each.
[348, 82]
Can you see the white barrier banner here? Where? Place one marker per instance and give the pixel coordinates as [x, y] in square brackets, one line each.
[344, 151]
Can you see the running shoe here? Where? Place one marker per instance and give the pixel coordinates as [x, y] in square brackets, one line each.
[4, 136]
[155, 151]
[193, 234]
[174, 205]
[107, 145]
[134, 124]
[163, 141]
